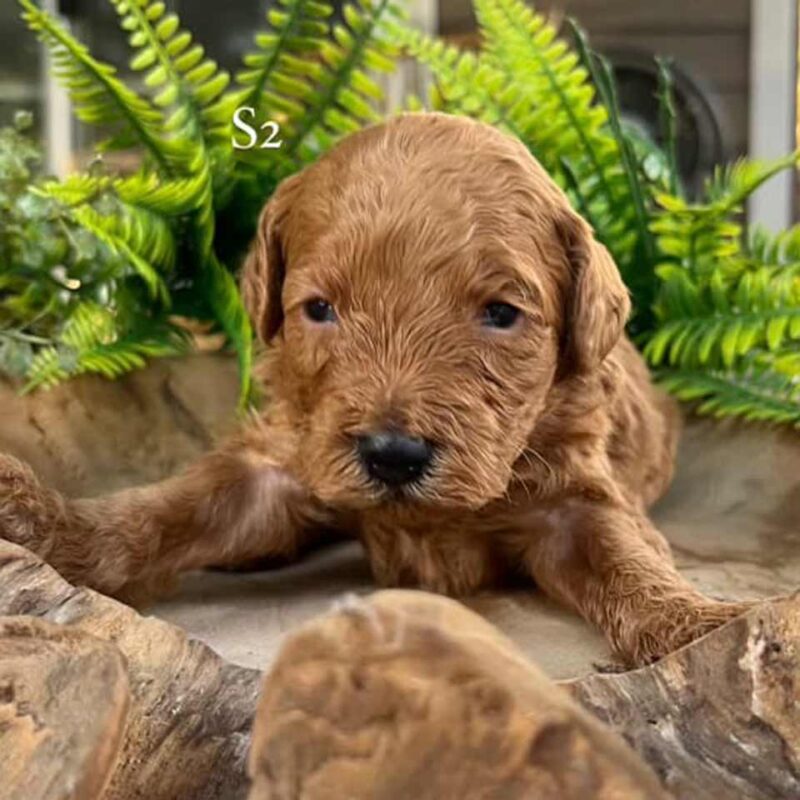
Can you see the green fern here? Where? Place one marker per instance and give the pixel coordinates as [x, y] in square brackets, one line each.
[173, 198]
[729, 303]
[338, 97]
[284, 54]
[99, 97]
[91, 342]
[185, 82]
[755, 394]
[565, 126]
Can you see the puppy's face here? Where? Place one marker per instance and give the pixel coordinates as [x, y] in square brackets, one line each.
[413, 285]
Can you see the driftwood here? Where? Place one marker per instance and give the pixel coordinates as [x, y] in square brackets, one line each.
[719, 719]
[409, 695]
[191, 712]
[50, 677]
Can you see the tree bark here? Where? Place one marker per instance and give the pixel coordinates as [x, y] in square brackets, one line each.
[719, 719]
[50, 747]
[191, 712]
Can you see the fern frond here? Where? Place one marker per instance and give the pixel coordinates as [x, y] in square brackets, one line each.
[171, 198]
[338, 98]
[731, 184]
[780, 248]
[756, 394]
[564, 121]
[185, 83]
[141, 241]
[47, 370]
[90, 342]
[99, 97]
[284, 54]
[222, 295]
[174, 198]
[668, 122]
[641, 280]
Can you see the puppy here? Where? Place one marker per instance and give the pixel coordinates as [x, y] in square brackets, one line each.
[450, 384]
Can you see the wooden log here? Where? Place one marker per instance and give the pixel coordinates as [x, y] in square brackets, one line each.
[190, 715]
[719, 719]
[63, 707]
[407, 695]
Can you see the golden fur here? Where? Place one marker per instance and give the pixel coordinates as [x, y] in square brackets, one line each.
[550, 441]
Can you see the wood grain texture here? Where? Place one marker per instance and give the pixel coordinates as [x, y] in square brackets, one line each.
[91, 436]
[190, 715]
[410, 695]
[50, 747]
[720, 719]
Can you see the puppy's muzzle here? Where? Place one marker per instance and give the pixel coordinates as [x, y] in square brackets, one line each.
[394, 459]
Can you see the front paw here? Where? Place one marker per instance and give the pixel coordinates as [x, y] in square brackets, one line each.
[29, 513]
[674, 627]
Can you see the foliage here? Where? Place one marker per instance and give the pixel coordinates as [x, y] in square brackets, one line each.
[173, 233]
[56, 274]
[716, 306]
[93, 268]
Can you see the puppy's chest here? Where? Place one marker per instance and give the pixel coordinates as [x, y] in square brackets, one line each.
[451, 561]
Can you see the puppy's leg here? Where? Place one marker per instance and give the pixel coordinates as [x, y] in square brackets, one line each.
[601, 560]
[231, 505]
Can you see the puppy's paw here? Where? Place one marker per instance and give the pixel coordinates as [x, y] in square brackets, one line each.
[28, 512]
[676, 627]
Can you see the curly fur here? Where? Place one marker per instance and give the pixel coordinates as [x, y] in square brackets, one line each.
[550, 440]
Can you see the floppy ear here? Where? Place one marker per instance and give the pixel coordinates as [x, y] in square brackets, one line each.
[597, 303]
[264, 268]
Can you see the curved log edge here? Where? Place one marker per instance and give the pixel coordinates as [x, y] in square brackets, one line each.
[719, 719]
[50, 748]
[191, 712]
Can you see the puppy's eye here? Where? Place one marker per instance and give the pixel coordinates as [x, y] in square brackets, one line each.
[319, 310]
[500, 315]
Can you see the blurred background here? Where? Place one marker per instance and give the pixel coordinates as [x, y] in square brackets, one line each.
[735, 64]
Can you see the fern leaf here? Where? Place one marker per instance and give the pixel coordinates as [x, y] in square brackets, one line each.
[340, 98]
[136, 240]
[222, 295]
[755, 394]
[91, 343]
[99, 97]
[47, 370]
[283, 56]
[732, 184]
[184, 82]
[719, 320]
[465, 84]
[171, 198]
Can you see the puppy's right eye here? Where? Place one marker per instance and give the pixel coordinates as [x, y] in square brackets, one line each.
[319, 310]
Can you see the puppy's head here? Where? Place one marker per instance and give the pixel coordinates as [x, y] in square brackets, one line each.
[422, 287]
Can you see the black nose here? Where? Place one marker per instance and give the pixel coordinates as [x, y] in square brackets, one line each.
[394, 459]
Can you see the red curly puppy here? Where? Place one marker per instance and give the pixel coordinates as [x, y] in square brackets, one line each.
[450, 384]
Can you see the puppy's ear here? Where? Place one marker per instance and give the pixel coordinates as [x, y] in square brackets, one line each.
[264, 269]
[597, 303]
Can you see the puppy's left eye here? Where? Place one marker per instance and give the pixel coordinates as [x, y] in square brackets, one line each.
[500, 315]
[319, 310]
